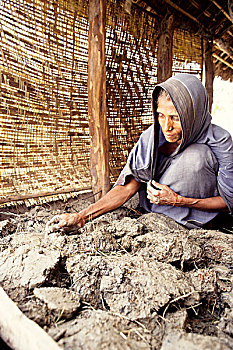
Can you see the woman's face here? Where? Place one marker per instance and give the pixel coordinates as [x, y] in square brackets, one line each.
[169, 120]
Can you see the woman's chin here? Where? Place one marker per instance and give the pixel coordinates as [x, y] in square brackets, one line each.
[171, 139]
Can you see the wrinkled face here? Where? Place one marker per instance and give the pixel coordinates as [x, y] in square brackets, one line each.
[169, 120]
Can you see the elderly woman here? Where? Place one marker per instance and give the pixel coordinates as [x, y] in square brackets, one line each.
[182, 165]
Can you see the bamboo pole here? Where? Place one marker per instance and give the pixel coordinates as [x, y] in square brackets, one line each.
[18, 331]
[98, 125]
[223, 61]
[164, 55]
[224, 47]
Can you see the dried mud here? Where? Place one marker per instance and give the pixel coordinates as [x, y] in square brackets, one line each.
[124, 281]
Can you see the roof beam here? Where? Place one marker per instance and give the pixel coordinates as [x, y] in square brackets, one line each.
[204, 31]
[222, 60]
[204, 11]
[152, 14]
[171, 3]
[223, 47]
[225, 30]
[222, 9]
[217, 26]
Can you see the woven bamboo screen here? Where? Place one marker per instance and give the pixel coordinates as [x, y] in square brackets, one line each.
[131, 75]
[44, 136]
[187, 53]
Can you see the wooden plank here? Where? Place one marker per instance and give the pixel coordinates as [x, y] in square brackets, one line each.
[98, 124]
[164, 56]
[41, 194]
[209, 70]
[18, 331]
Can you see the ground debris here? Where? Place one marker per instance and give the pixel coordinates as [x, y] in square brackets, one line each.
[191, 341]
[216, 245]
[128, 285]
[61, 301]
[29, 260]
[7, 227]
[123, 281]
[25, 267]
[96, 330]
[204, 281]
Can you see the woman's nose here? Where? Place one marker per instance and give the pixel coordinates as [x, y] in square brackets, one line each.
[168, 124]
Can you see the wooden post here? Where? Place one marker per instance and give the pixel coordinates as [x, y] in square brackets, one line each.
[209, 70]
[164, 56]
[98, 125]
[18, 331]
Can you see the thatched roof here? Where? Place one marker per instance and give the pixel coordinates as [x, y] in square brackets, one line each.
[211, 19]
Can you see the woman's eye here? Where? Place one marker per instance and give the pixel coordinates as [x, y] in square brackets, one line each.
[160, 115]
[175, 118]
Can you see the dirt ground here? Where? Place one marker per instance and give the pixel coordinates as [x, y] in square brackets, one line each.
[124, 281]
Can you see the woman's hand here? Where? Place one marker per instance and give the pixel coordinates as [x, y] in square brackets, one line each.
[65, 222]
[162, 195]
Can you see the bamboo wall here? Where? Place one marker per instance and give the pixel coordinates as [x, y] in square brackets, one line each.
[131, 75]
[44, 139]
[44, 135]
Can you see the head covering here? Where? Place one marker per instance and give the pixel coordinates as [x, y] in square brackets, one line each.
[192, 104]
[145, 163]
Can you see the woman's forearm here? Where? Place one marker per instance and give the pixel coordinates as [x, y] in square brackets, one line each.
[117, 196]
[205, 204]
[112, 200]
[164, 195]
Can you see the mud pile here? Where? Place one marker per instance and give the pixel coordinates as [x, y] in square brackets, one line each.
[124, 281]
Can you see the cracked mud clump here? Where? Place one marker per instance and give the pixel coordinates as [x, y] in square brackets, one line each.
[124, 281]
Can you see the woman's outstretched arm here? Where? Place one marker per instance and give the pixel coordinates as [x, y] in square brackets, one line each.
[117, 196]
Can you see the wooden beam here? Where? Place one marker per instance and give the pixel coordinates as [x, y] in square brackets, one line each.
[98, 125]
[222, 60]
[222, 9]
[225, 30]
[18, 331]
[171, 3]
[41, 194]
[153, 14]
[223, 46]
[209, 70]
[178, 8]
[203, 10]
[164, 55]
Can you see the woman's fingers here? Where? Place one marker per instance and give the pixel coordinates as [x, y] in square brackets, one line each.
[153, 193]
[152, 190]
[162, 195]
[157, 185]
[66, 221]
